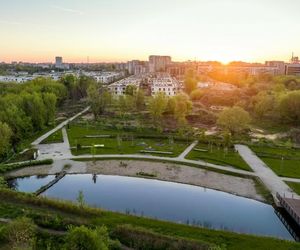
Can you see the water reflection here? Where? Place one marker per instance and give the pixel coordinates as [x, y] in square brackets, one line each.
[181, 203]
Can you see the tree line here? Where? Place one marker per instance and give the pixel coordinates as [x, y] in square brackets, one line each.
[31, 107]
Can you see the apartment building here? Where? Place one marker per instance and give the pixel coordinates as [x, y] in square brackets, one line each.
[119, 87]
[159, 63]
[164, 83]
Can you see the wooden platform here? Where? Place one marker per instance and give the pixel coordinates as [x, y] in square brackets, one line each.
[292, 206]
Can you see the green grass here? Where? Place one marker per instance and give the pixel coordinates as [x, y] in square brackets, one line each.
[272, 156]
[269, 126]
[218, 156]
[46, 212]
[295, 186]
[56, 137]
[133, 143]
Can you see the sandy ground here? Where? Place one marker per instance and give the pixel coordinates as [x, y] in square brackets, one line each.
[162, 171]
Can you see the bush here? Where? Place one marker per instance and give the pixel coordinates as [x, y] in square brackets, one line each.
[10, 167]
[83, 238]
[20, 233]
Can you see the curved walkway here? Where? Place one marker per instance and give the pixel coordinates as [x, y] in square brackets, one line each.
[167, 159]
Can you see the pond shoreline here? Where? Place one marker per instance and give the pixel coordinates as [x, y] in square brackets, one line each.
[171, 172]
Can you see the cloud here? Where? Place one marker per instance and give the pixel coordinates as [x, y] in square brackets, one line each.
[78, 12]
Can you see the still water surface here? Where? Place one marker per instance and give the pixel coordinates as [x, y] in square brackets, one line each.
[166, 200]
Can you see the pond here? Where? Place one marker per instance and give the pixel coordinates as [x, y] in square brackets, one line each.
[167, 201]
[31, 183]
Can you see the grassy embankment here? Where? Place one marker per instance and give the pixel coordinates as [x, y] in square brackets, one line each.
[59, 215]
[217, 155]
[283, 161]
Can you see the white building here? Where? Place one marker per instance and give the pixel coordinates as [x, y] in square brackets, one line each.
[166, 84]
[119, 87]
[105, 77]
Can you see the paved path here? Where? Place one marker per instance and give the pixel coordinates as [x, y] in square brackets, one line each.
[273, 182]
[290, 179]
[167, 159]
[187, 150]
[58, 127]
[55, 150]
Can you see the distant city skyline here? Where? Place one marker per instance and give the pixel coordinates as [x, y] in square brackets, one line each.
[122, 30]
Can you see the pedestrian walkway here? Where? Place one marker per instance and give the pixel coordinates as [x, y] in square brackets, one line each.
[273, 182]
[58, 127]
[187, 150]
[55, 150]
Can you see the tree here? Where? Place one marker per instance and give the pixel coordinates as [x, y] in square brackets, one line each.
[34, 107]
[5, 137]
[190, 81]
[70, 81]
[182, 107]
[139, 100]
[126, 103]
[234, 119]
[50, 104]
[157, 105]
[99, 99]
[21, 232]
[290, 107]
[190, 84]
[264, 103]
[130, 89]
[17, 120]
[83, 238]
[197, 94]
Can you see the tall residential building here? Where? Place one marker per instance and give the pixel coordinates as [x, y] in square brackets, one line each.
[131, 66]
[58, 62]
[158, 63]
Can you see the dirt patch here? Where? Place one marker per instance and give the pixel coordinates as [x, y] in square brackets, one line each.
[177, 173]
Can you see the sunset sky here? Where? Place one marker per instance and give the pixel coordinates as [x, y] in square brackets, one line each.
[120, 30]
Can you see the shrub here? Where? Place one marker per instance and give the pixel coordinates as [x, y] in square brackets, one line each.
[10, 167]
[20, 233]
[83, 238]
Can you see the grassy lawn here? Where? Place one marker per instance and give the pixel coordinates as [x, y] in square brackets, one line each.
[57, 215]
[56, 137]
[269, 126]
[218, 156]
[288, 167]
[121, 142]
[295, 186]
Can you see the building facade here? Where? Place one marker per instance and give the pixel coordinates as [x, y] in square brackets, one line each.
[159, 63]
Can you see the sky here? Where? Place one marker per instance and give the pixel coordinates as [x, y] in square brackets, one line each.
[121, 30]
